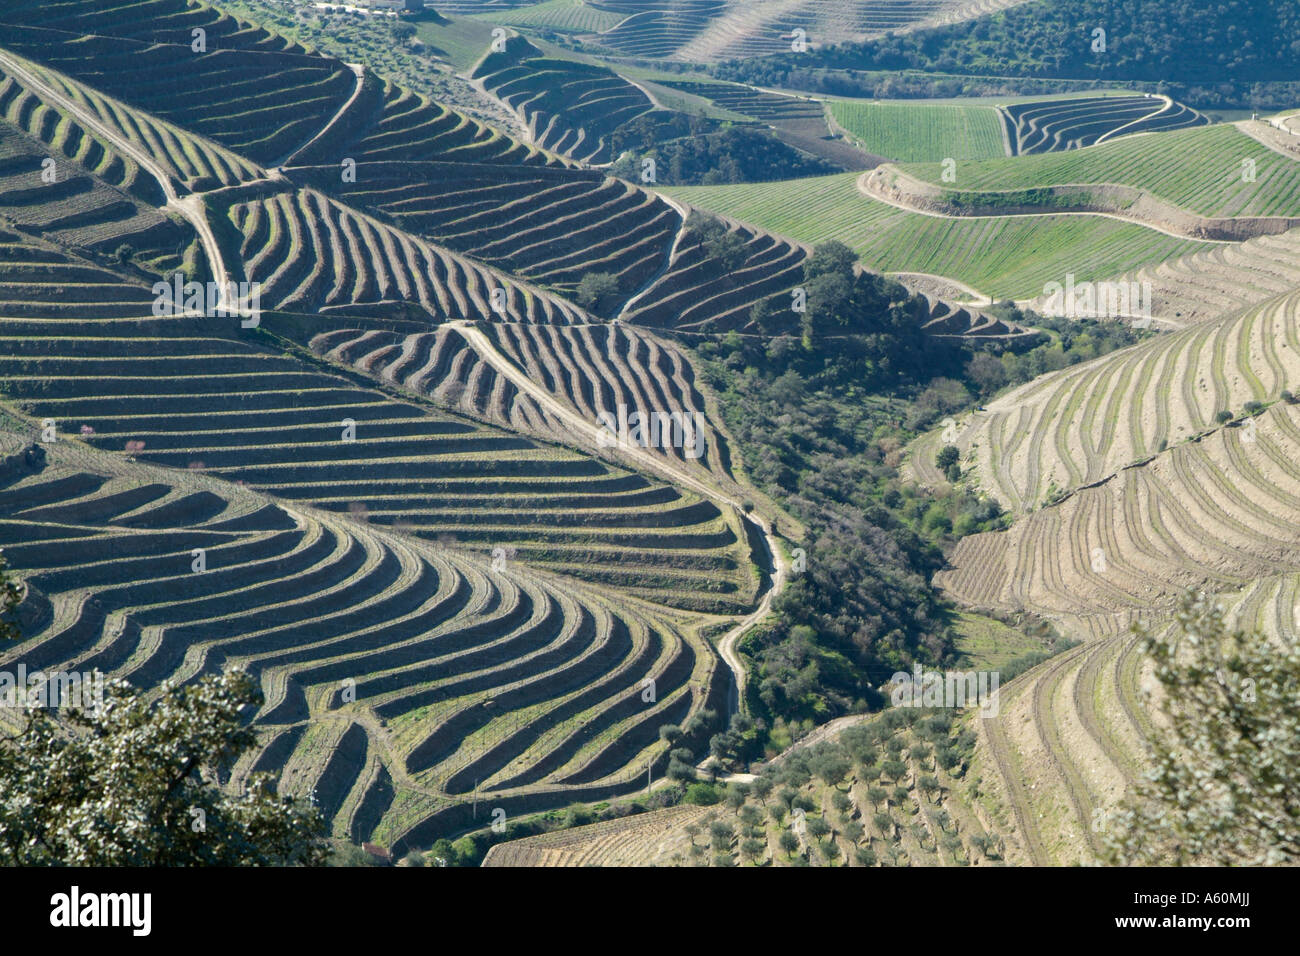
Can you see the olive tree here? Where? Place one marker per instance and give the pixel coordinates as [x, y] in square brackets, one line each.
[1224, 778]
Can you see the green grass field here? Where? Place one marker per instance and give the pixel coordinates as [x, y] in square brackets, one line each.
[460, 42]
[922, 133]
[1198, 169]
[1005, 257]
[986, 643]
[564, 16]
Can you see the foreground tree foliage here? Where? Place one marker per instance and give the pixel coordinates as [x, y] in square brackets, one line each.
[131, 782]
[1225, 783]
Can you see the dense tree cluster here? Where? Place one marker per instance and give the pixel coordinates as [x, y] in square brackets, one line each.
[1253, 46]
[821, 422]
[821, 410]
[732, 154]
[1067, 341]
[1144, 39]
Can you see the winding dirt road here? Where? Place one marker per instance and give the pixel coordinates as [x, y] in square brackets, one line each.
[671, 471]
[190, 207]
[867, 186]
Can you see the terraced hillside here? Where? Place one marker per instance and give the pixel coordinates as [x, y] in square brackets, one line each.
[438, 478]
[656, 29]
[707, 31]
[904, 799]
[761, 105]
[449, 595]
[153, 21]
[1066, 745]
[551, 226]
[495, 670]
[603, 373]
[627, 842]
[568, 107]
[1055, 125]
[408, 127]
[561, 16]
[798, 121]
[399, 676]
[1219, 279]
[1219, 513]
[1081, 425]
[190, 162]
[697, 294]
[39, 280]
[469, 7]
[1207, 171]
[312, 252]
[262, 103]
[77, 208]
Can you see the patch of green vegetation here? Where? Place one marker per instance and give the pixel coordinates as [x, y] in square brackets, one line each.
[1069, 342]
[821, 422]
[985, 643]
[685, 155]
[1005, 257]
[1197, 169]
[1174, 47]
[922, 133]
[460, 42]
[556, 16]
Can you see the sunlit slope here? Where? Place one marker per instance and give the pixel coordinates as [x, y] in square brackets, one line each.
[398, 675]
[1083, 424]
[1004, 257]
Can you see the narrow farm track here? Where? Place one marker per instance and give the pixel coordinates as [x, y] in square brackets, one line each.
[191, 206]
[870, 185]
[593, 434]
[1045, 689]
[1015, 791]
[1086, 692]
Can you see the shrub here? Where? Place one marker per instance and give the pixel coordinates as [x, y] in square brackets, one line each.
[597, 291]
[1224, 771]
[701, 795]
